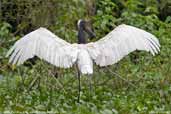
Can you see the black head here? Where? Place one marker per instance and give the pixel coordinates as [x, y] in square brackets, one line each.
[86, 26]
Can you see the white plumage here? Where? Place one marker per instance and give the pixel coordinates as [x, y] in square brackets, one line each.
[120, 42]
[85, 63]
[106, 51]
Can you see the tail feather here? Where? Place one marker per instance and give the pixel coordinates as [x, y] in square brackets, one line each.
[85, 63]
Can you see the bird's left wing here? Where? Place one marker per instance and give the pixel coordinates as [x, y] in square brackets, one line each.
[123, 40]
[45, 45]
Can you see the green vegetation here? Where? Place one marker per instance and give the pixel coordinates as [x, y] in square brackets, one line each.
[40, 86]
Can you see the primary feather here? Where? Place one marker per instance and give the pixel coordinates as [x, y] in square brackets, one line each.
[106, 51]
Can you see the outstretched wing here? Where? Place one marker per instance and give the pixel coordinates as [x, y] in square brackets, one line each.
[45, 45]
[120, 42]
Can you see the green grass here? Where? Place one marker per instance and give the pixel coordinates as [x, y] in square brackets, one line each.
[109, 93]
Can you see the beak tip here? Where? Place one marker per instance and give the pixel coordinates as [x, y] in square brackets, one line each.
[93, 36]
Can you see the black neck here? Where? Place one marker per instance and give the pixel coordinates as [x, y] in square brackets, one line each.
[81, 36]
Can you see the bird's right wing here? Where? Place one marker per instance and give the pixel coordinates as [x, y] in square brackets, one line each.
[45, 45]
[123, 40]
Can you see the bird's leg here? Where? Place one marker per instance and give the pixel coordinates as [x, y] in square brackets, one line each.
[90, 84]
[79, 85]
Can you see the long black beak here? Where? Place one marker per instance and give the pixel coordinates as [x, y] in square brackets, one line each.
[90, 32]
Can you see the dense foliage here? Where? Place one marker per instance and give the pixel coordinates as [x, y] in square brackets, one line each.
[139, 83]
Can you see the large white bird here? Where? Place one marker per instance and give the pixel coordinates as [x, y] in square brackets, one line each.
[106, 51]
